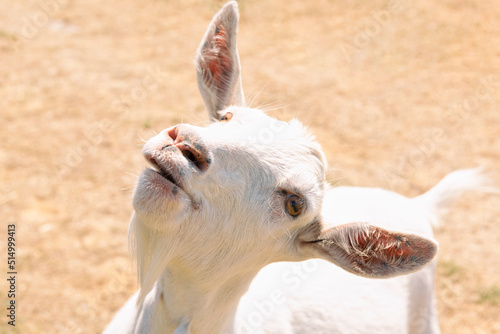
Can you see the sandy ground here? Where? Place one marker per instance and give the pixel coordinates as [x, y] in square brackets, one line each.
[400, 93]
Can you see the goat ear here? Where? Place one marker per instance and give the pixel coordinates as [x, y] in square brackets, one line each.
[218, 63]
[370, 251]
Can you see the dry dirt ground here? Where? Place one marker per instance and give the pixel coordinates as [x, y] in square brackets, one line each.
[399, 93]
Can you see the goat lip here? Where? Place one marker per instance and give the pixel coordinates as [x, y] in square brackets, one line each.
[165, 174]
[165, 180]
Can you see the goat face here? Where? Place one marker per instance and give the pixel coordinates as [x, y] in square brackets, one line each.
[247, 179]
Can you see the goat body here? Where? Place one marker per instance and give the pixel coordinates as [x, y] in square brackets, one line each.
[235, 229]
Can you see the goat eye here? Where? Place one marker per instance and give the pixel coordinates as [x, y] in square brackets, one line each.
[294, 205]
[227, 117]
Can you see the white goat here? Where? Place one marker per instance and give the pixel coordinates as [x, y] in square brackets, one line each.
[221, 206]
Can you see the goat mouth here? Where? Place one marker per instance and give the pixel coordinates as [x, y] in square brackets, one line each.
[166, 173]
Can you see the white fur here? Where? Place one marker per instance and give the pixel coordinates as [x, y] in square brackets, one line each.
[211, 245]
[314, 296]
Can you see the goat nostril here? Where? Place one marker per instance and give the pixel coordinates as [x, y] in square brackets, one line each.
[190, 156]
[194, 156]
[186, 140]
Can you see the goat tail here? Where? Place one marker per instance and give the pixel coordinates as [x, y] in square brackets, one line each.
[437, 200]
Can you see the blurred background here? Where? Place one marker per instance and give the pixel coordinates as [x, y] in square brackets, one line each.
[398, 92]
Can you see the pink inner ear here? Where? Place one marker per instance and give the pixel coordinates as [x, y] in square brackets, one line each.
[217, 58]
[378, 251]
[371, 251]
[384, 246]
